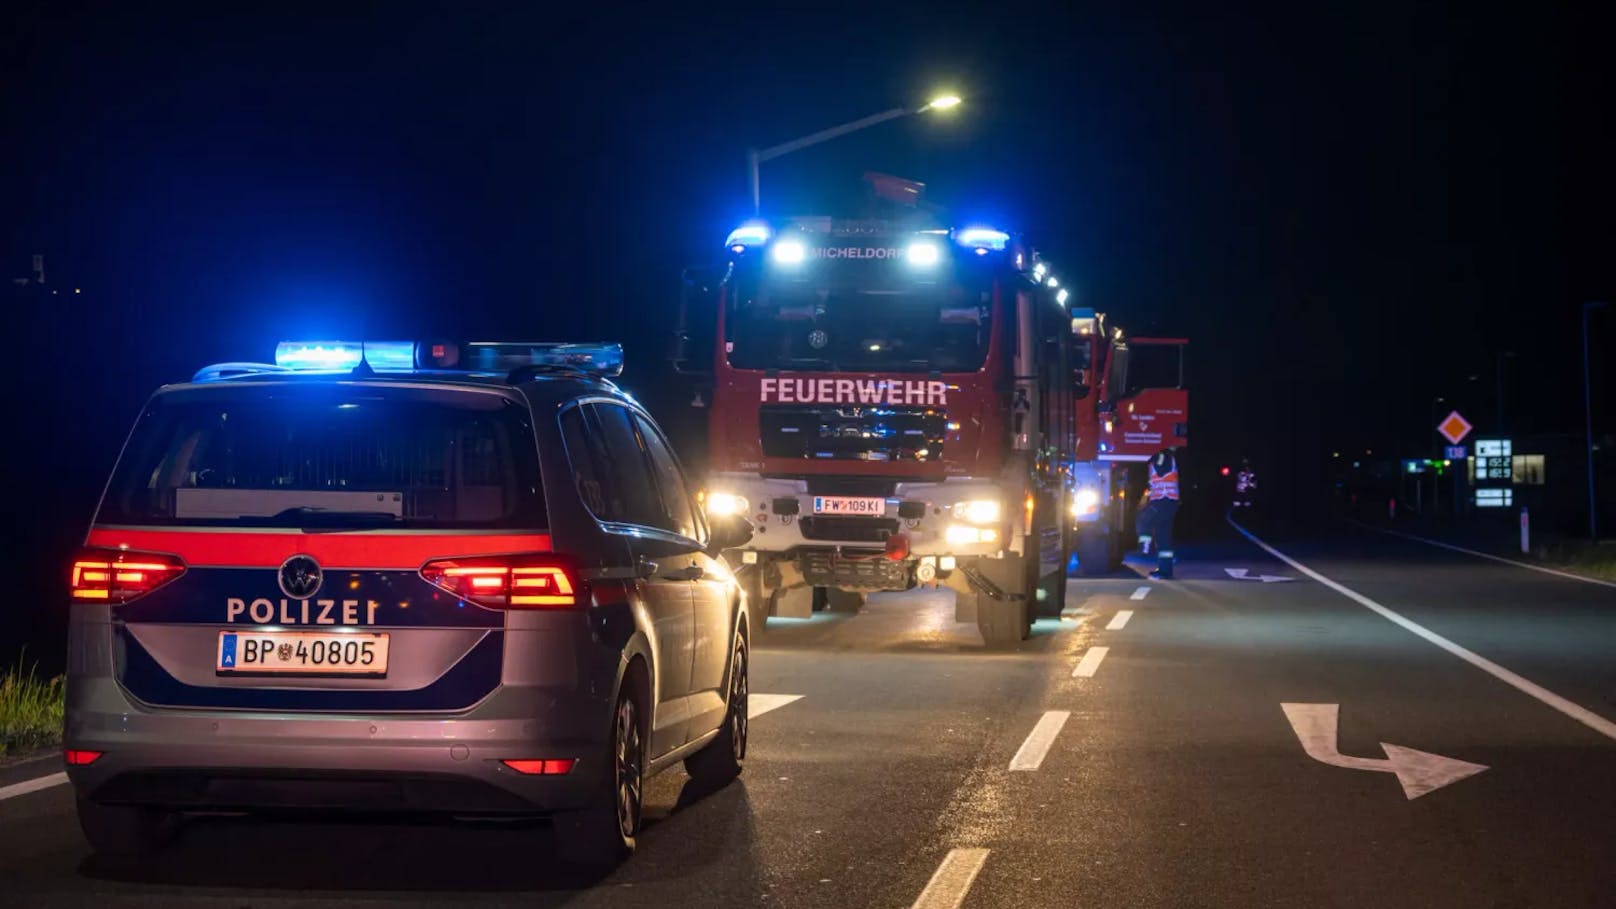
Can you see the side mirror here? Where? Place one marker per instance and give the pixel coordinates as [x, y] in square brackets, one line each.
[693, 340]
[730, 532]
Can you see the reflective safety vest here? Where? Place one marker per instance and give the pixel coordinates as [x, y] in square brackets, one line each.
[1164, 485]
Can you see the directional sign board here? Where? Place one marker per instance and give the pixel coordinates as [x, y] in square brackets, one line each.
[1454, 428]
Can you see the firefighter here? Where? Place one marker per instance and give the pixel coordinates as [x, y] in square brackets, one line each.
[1161, 507]
[1245, 484]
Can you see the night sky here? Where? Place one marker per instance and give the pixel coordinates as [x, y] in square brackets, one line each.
[1349, 210]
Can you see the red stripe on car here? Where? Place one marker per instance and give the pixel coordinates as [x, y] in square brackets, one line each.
[358, 550]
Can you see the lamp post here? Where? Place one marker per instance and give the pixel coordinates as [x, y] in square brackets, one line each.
[1588, 419]
[755, 157]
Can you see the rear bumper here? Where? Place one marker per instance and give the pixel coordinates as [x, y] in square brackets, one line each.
[216, 760]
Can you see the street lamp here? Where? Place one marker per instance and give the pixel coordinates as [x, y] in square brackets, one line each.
[755, 157]
[1588, 417]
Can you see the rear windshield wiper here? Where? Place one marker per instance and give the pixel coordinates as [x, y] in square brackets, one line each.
[310, 517]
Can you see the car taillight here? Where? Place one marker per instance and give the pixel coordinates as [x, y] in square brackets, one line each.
[509, 582]
[119, 575]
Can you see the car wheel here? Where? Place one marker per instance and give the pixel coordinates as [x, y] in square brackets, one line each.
[605, 833]
[719, 761]
[124, 831]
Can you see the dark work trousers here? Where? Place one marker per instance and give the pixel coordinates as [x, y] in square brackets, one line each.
[1156, 521]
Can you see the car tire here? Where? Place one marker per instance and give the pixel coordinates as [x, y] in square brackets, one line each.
[1053, 593]
[719, 761]
[124, 831]
[821, 599]
[604, 834]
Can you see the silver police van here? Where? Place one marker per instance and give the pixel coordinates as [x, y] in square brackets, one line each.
[467, 579]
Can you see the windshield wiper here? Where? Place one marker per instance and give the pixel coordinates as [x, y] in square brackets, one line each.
[314, 518]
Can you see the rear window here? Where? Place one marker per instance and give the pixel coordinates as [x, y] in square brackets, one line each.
[329, 457]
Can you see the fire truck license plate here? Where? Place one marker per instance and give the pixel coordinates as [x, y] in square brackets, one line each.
[848, 505]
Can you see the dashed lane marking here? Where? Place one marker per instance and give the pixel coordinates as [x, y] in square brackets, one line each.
[33, 785]
[1571, 709]
[1140, 594]
[952, 880]
[1120, 620]
[1090, 664]
[1039, 740]
[759, 704]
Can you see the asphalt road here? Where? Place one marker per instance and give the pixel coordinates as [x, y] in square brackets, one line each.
[1159, 771]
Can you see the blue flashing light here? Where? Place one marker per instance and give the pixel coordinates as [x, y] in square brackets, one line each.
[337, 356]
[982, 238]
[602, 359]
[390, 355]
[749, 234]
[328, 355]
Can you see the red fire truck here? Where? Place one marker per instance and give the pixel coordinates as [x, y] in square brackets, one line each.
[1131, 403]
[893, 405]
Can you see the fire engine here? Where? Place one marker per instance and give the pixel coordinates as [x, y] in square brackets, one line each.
[897, 401]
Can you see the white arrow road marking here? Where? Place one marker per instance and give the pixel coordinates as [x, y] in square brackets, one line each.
[33, 785]
[1241, 574]
[1090, 664]
[952, 879]
[1038, 741]
[1120, 620]
[1418, 772]
[759, 704]
[1140, 594]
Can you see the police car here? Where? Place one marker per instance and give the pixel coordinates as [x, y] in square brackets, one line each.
[466, 579]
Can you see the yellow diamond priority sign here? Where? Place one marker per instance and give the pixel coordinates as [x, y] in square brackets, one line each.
[1454, 428]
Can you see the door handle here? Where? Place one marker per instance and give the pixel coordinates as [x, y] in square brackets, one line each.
[644, 568]
[689, 573]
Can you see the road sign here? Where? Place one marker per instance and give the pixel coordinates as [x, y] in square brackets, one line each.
[1454, 428]
[1455, 453]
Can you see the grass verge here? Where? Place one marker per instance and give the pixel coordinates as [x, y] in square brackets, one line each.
[1596, 560]
[30, 709]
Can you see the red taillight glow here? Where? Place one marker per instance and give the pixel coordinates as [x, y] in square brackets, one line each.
[537, 767]
[76, 757]
[118, 575]
[517, 582]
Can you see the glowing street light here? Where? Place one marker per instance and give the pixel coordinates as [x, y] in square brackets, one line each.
[755, 157]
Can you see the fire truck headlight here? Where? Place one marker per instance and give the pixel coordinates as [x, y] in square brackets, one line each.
[1085, 502]
[978, 511]
[724, 504]
[788, 252]
[923, 254]
[963, 535]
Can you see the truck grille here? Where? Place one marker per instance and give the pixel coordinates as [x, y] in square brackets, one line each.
[826, 569]
[853, 432]
[847, 529]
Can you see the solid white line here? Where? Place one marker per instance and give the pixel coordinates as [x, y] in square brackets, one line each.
[1120, 620]
[952, 879]
[1577, 712]
[1090, 664]
[1140, 594]
[33, 785]
[1487, 555]
[1038, 741]
[759, 704]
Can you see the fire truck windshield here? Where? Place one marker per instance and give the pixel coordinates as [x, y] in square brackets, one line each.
[915, 329]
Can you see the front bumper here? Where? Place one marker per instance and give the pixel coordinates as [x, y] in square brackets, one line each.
[782, 519]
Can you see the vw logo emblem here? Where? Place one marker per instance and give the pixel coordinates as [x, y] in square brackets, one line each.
[300, 577]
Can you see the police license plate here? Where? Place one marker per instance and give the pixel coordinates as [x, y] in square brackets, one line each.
[849, 505]
[301, 653]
